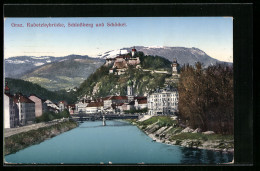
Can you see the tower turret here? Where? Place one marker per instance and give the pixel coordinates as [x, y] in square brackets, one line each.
[175, 67]
[133, 52]
[130, 91]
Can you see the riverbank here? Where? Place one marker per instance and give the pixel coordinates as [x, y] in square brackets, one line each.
[166, 130]
[35, 135]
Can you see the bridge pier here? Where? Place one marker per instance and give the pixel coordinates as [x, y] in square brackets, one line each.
[104, 121]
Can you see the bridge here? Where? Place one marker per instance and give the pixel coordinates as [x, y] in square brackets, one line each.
[98, 116]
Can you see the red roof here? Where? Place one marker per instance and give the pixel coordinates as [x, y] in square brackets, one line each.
[118, 98]
[22, 99]
[143, 101]
[7, 88]
[140, 98]
[134, 49]
[95, 104]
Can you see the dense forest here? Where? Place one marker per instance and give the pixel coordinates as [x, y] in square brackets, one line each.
[206, 98]
[27, 88]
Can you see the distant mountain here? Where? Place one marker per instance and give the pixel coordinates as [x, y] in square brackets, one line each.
[27, 88]
[53, 73]
[182, 54]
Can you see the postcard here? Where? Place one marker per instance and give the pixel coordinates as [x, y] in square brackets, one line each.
[118, 90]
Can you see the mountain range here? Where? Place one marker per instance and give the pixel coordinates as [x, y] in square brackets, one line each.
[182, 54]
[56, 73]
[53, 73]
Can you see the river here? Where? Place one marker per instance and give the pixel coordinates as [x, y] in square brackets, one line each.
[119, 142]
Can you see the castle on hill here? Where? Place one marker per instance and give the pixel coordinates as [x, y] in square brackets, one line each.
[121, 63]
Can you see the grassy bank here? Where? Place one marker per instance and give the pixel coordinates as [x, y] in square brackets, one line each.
[166, 130]
[20, 141]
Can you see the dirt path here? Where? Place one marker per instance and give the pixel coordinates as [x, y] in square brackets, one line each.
[12, 131]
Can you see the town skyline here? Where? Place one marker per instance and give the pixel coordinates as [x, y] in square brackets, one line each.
[213, 35]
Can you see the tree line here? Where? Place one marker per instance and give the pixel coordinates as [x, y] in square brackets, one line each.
[206, 97]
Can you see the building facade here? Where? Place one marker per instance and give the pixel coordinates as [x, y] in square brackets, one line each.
[26, 109]
[163, 101]
[62, 105]
[11, 118]
[94, 108]
[40, 106]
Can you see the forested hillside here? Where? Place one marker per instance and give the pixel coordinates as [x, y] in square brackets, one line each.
[27, 88]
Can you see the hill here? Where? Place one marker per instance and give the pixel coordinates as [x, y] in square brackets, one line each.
[27, 88]
[101, 83]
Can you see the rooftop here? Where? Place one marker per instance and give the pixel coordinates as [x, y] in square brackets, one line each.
[95, 104]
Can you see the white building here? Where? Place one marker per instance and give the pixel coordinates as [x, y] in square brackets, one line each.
[81, 106]
[51, 106]
[26, 109]
[140, 103]
[10, 112]
[163, 102]
[95, 107]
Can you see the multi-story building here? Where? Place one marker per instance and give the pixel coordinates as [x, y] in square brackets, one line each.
[26, 109]
[51, 106]
[10, 112]
[40, 106]
[163, 101]
[10, 119]
[140, 103]
[81, 105]
[95, 107]
[112, 100]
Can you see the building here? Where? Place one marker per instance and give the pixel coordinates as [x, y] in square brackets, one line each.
[95, 107]
[62, 105]
[163, 101]
[11, 118]
[140, 103]
[81, 105]
[40, 106]
[51, 106]
[71, 108]
[175, 68]
[130, 91]
[26, 109]
[108, 101]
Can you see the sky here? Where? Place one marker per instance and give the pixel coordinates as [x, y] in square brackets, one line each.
[213, 35]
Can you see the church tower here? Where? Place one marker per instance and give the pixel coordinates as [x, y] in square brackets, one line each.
[175, 67]
[133, 52]
[130, 91]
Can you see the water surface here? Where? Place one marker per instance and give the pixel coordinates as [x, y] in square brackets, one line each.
[119, 142]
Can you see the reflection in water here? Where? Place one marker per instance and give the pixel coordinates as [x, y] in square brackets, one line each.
[199, 156]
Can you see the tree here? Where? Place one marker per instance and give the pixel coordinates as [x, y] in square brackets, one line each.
[206, 97]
